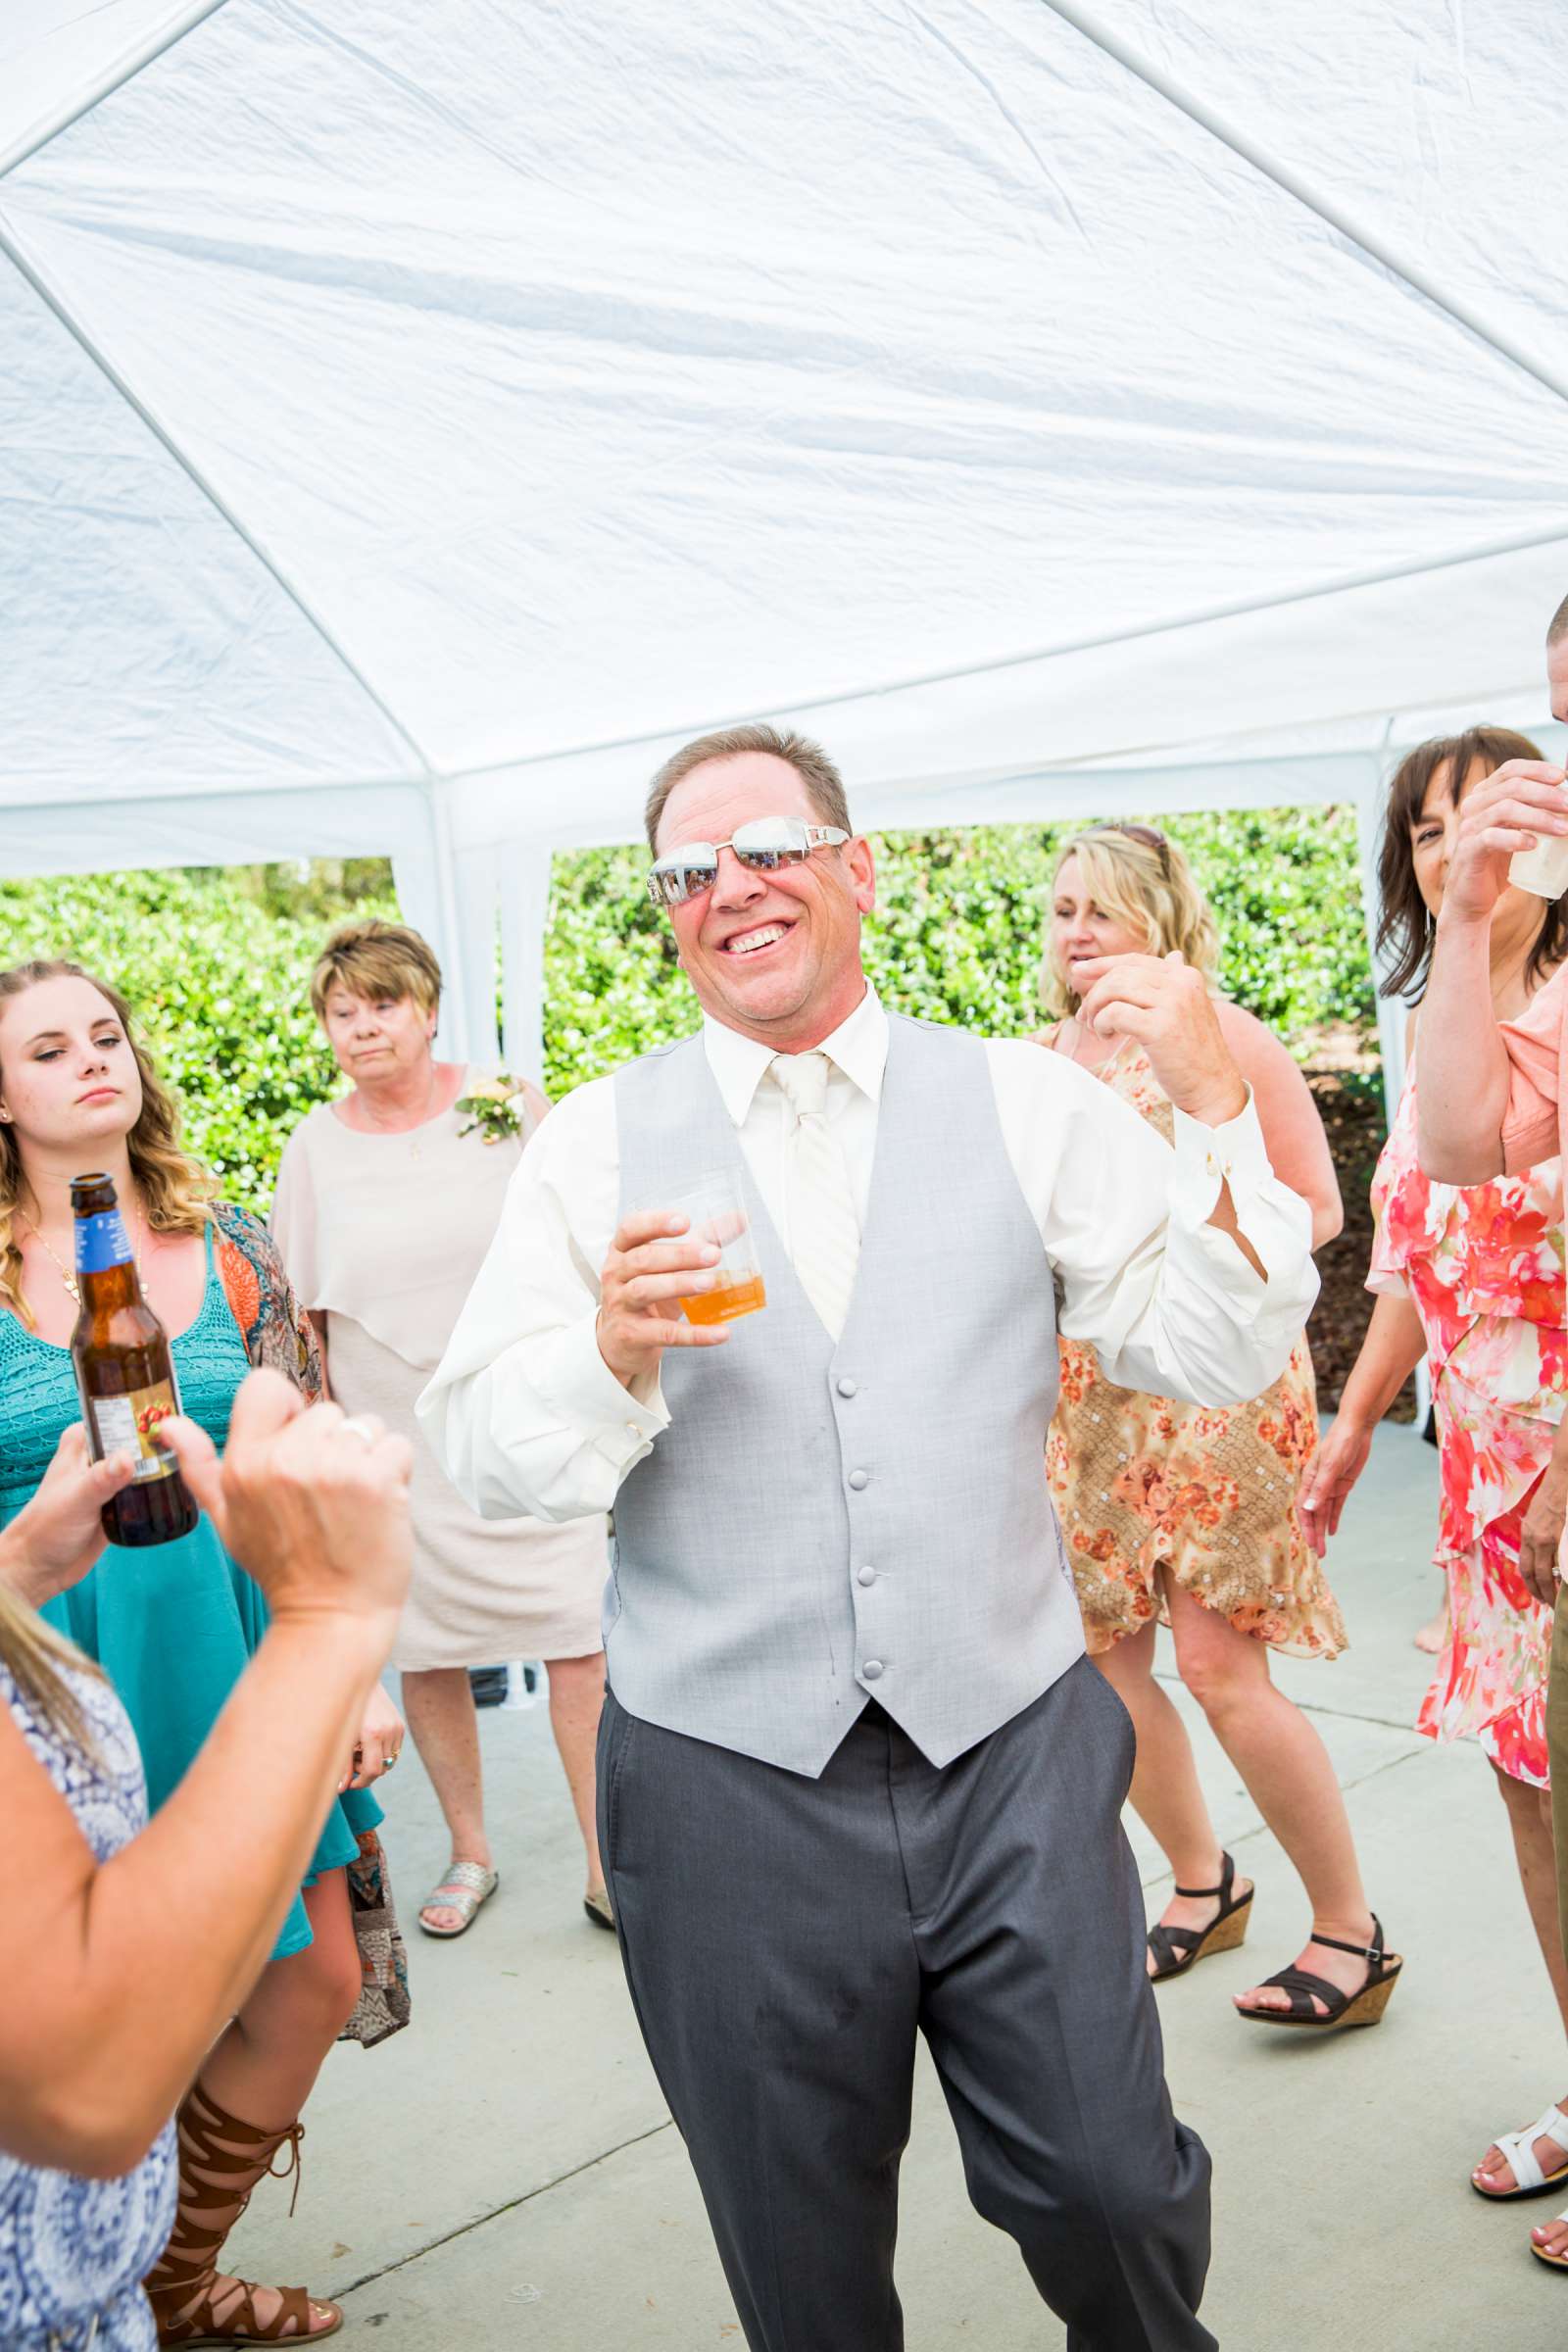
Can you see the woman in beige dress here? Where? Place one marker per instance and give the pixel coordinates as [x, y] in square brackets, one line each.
[386, 1201]
[1189, 1515]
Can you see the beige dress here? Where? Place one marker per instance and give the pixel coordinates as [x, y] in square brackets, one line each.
[383, 1235]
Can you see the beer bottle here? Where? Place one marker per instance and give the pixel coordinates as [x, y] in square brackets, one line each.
[125, 1373]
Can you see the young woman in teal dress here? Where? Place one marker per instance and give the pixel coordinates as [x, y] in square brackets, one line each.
[173, 1626]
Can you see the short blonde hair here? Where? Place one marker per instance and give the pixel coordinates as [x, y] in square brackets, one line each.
[1143, 881]
[374, 960]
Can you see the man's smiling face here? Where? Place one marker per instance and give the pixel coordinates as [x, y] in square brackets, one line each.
[775, 955]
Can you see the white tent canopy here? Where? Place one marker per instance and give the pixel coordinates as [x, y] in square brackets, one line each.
[414, 420]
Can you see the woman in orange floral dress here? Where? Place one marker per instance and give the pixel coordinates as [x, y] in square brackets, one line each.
[1472, 1278]
[1187, 1515]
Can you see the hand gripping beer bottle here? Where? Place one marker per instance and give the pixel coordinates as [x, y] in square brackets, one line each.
[125, 1373]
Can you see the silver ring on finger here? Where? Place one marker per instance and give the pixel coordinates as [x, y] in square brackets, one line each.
[359, 1425]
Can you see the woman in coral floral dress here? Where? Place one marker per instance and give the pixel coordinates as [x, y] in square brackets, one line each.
[1185, 1515]
[1472, 1278]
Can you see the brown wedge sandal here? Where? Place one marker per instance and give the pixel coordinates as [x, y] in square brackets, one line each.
[221, 2162]
[1177, 1949]
[1364, 2007]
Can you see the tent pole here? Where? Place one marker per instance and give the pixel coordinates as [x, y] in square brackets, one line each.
[1240, 143]
[524, 917]
[126, 67]
[454, 962]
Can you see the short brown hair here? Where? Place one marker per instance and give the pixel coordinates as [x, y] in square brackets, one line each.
[1557, 626]
[1405, 925]
[376, 960]
[809, 761]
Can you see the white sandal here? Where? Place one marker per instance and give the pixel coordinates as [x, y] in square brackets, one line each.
[1517, 2150]
[1553, 2262]
[464, 1888]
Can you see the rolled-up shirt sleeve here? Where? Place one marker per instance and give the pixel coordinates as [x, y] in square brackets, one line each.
[1167, 1300]
[524, 1411]
[1532, 1122]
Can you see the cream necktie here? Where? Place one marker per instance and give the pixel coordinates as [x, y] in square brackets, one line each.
[824, 1229]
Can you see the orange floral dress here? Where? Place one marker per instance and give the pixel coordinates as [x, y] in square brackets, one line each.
[1483, 1266]
[1206, 1495]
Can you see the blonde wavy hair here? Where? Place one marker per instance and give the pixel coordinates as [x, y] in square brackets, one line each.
[39, 1663]
[175, 1190]
[1137, 875]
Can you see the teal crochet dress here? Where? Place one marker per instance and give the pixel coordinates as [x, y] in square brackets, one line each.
[174, 1624]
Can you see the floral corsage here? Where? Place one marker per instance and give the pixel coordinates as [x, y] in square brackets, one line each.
[495, 1108]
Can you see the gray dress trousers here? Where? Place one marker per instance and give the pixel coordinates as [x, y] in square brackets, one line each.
[786, 1938]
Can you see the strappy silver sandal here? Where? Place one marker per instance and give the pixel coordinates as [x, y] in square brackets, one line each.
[465, 1887]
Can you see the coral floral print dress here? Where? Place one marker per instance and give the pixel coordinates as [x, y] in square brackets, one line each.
[1205, 1494]
[1483, 1266]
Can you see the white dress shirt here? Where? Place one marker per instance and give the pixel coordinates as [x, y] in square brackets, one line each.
[527, 1416]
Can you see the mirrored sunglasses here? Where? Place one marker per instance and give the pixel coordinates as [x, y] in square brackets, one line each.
[761, 847]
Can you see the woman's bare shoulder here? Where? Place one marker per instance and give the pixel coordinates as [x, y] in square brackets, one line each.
[1245, 1033]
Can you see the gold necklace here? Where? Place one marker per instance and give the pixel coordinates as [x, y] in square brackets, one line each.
[71, 1285]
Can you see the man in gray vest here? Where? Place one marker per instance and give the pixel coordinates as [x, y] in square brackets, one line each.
[856, 1779]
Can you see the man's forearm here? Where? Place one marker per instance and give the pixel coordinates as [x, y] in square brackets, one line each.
[1464, 1097]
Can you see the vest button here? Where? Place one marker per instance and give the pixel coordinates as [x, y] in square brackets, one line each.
[848, 1387]
[865, 1575]
[872, 1669]
[859, 1479]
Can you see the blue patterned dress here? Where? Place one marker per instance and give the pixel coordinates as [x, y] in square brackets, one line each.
[174, 1625]
[74, 2251]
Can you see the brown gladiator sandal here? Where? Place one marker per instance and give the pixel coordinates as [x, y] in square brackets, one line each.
[221, 2162]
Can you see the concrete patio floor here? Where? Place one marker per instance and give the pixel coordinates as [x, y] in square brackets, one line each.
[505, 2176]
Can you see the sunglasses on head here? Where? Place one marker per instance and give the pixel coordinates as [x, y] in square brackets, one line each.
[1147, 836]
[762, 847]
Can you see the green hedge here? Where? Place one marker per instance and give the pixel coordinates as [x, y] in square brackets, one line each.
[218, 962]
[959, 929]
[216, 967]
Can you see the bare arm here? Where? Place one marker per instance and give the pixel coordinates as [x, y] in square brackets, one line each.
[1163, 1002]
[1542, 1533]
[1466, 1081]
[1394, 1346]
[1293, 1131]
[95, 2053]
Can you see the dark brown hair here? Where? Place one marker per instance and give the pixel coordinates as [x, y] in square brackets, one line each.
[1557, 626]
[1404, 926]
[809, 761]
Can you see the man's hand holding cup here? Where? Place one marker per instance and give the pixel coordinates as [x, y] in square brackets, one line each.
[1164, 1003]
[655, 1262]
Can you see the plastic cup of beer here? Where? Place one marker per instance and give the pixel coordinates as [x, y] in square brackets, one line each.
[717, 1213]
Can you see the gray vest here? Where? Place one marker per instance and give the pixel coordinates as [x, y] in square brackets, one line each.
[822, 1524]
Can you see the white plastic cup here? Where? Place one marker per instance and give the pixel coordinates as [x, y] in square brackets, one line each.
[1544, 869]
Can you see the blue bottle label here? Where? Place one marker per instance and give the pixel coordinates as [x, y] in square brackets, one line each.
[102, 1242]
